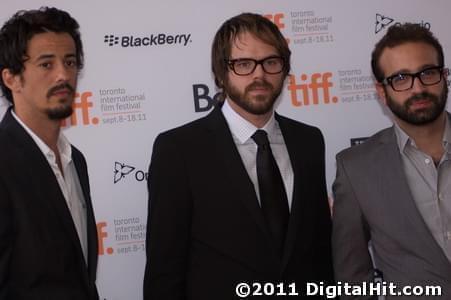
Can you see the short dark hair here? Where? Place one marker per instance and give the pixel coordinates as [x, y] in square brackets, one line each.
[257, 25]
[400, 34]
[21, 27]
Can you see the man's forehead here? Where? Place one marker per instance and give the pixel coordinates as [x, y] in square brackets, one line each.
[408, 56]
[49, 43]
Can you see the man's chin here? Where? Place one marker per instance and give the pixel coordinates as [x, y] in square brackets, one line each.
[60, 113]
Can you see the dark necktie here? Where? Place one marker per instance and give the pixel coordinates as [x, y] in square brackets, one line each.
[273, 198]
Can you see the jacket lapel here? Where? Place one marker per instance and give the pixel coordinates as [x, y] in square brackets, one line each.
[396, 193]
[297, 207]
[82, 174]
[236, 173]
[44, 185]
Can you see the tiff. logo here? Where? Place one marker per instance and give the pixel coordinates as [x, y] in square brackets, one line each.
[311, 90]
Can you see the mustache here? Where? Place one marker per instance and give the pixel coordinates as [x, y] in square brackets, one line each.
[421, 96]
[57, 88]
[259, 84]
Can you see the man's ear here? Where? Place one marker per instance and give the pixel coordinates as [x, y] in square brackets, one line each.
[11, 80]
[381, 92]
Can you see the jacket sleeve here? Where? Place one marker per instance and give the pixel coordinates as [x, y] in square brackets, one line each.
[6, 233]
[350, 234]
[169, 222]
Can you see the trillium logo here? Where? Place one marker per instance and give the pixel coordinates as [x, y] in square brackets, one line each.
[382, 22]
[121, 170]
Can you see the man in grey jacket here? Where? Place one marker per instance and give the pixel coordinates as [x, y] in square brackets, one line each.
[395, 189]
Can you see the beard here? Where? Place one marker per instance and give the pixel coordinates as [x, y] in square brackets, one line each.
[64, 109]
[421, 116]
[61, 112]
[256, 105]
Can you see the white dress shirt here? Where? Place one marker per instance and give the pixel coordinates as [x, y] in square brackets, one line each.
[69, 183]
[242, 131]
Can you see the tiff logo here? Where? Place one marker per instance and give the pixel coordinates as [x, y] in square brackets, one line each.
[102, 234]
[310, 88]
[277, 19]
[83, 105]
[111, 40]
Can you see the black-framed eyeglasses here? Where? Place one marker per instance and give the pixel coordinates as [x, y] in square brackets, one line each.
[246, 66]
[404, 81]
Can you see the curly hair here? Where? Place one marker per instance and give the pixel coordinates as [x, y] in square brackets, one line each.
[21, 27]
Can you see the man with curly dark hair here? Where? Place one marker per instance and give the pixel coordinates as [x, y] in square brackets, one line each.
[48, 238]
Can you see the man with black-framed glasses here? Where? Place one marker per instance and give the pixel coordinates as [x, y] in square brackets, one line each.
[237, 199]
[394, 190]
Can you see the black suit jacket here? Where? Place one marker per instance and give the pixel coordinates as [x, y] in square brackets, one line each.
[206, 231]
[40, 253]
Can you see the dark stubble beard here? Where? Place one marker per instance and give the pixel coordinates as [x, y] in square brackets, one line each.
[65, 109]
[257, 105]
[419, 116]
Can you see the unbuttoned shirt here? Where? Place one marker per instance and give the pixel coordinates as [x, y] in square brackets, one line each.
[430, 185]
[242, 131]
[69, 183]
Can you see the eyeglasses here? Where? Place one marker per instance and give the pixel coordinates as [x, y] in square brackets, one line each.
[404, 81]
[246, 66]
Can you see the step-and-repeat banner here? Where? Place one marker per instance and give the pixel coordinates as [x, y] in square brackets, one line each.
[148, 70]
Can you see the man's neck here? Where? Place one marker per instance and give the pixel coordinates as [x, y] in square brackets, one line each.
[257, 120]
[428, 138]
[47, 130]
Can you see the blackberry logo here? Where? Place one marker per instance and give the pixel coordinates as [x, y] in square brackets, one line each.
[121, 170]
[158, 39]
[111, 40]
[382, 22]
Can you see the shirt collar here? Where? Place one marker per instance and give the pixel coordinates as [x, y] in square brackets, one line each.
[403, 139]
[63, 144]
[241, 128]
[447, 135]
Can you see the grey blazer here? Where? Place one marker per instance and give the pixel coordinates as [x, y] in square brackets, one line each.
[373, 203]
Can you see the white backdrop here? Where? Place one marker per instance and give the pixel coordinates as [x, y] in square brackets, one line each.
[148, 69]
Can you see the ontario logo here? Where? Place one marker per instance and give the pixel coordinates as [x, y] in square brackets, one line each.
[122, 170]
[383, 22]
[154, 39]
